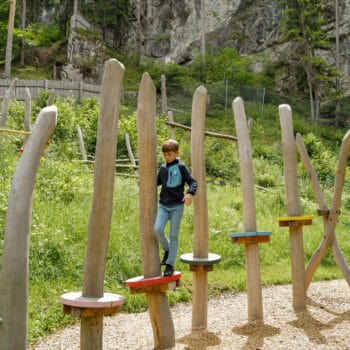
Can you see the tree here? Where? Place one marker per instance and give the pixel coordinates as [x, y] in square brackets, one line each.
[23, 26]
[11, 23]
[337, 62]
[303, 24]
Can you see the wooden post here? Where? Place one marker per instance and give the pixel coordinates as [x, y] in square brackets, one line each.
[159, 311]
[102, 202]
[200, 204]
[254, 293]
[28, 111]
[163, 91]
[14, 273]
[5, 102]
[81, 143]
[172, 128]
[130, 153]
[293, 208]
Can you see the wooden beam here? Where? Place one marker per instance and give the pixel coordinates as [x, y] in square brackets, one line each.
[207, 133]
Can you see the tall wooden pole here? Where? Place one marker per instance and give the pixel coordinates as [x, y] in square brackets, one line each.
[15, 261]
[200, 207]
[102, 202]
[11, 23]
[293, 208]
[158, 307]
[254, 293]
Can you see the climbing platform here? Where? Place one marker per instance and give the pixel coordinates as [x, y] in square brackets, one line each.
[198, 263]
[295, 220]
[157, 284]
[252, 237]
[77, 305]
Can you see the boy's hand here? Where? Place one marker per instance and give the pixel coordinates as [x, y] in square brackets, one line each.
[188, 199]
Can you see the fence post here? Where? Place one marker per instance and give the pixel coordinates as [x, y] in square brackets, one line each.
[163, 91]
[5, 102]
[172, 128]
[28, 111]
[80, 92]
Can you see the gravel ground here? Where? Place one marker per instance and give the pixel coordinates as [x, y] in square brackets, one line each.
[325, 324]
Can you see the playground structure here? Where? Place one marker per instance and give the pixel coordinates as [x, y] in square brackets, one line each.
[250, 238]
[301, 278]
[93, 304]
[14, 276]
[200, 261]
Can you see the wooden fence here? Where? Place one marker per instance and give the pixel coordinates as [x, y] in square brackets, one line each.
[74, 89]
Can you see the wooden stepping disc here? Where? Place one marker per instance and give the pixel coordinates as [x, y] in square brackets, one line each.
[196, 263]
[294, 220]
[253, 237]
[77, 305]
[154, 284]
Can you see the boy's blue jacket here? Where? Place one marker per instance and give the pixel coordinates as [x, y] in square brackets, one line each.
[172, 177]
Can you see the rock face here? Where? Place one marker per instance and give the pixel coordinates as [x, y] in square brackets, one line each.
[171, 30]
[86, 63]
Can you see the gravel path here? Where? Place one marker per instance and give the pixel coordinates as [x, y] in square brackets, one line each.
[325, 324]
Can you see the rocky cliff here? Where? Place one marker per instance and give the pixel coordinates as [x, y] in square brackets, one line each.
[171, 30]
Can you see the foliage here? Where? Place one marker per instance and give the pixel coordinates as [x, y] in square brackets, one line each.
[303, 24]
[229, 64]
[113, 15]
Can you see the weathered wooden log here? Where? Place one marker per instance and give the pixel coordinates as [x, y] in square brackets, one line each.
[293, 208]
[14, 272]
[206, 133]
[200, 209]
[254, 292]
[158, 307]
[102, 202]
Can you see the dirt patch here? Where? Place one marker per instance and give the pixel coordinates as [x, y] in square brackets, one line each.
[324, 325]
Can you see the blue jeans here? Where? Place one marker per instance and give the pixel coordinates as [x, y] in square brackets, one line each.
[172, 213]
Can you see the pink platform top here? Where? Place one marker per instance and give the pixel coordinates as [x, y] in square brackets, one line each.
[141, 281]
[76, 299]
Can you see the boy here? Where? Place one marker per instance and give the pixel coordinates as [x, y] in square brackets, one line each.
[172, 177]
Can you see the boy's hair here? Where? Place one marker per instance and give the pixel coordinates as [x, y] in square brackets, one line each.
[170, 146]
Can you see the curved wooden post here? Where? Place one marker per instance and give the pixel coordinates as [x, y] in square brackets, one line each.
[293, 208]
[200, 208]
[102, 202]
[14, 273]
[254, 293]
[159, 310]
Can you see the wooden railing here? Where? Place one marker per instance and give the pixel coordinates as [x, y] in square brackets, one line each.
[74, 89]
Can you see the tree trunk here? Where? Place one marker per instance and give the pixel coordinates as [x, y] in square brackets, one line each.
[24, 11]
[8, 57]
[138, 32]
[337, 63]
[311, 95]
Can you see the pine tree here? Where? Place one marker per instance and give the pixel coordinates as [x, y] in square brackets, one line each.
[303, 23]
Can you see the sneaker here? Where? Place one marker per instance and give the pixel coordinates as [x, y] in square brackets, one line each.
[165, 257]
[169, 270]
